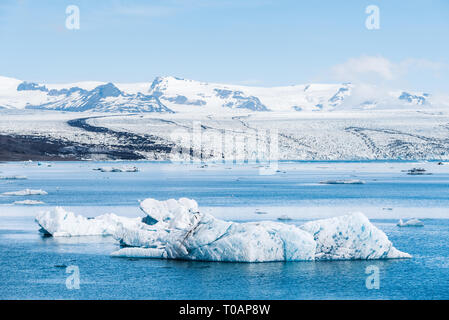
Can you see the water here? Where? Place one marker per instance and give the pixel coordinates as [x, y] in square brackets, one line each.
[33, 267]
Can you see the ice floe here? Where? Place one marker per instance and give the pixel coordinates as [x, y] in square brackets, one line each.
[13, 178]
[284, 217]
[176, 229]
[26, 192]
[28, 202]
[417, 172]
[410, 223]
[118, 169]
[351, 181]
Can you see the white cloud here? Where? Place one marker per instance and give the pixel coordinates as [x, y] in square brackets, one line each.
[378, 68]
[365, 66]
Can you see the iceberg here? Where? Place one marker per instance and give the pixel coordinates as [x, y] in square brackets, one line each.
[25, 192]
[410, 223]
[284, 217]
[176, 229]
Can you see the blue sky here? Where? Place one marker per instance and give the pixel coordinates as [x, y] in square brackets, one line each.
[254, 42]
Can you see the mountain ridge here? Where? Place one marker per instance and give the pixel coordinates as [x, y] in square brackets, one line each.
[177, 95]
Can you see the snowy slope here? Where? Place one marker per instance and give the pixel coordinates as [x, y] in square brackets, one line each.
[170, 94]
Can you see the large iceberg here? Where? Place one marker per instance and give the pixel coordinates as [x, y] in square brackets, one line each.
[176, 229]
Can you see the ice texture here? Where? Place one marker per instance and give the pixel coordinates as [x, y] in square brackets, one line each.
[350, 237]
[176, 229]
[62, 223]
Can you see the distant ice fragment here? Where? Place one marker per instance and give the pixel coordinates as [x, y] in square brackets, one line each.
[25, 192]
[28, 202]
[13, 177]
[352, 181]
[417, 171]
[118, 169]
[284, 217]
[410, 223]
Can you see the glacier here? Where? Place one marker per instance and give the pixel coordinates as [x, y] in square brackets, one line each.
[176, 229]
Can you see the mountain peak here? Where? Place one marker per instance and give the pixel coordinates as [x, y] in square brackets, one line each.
[107, 90]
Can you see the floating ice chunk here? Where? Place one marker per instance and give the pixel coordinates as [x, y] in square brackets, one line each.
[350, 237]
[284, 217]
[418, 171]
[28, 202]
[61, 223]
[118, 169]
[140, 253]
[13, 178]
[26, 192]
[351, 181]
[410, 223]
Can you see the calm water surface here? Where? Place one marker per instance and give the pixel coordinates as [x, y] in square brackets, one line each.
[33, 267]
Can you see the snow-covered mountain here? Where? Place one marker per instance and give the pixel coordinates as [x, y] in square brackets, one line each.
[103, 98]
[170, 94]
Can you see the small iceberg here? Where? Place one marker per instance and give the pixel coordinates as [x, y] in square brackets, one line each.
[284, 217]
[351, 181]
[26, 192]
[29, 202]
[417, 171]
[176, 229]
[117, 169]
[13, 178]
[410, 223]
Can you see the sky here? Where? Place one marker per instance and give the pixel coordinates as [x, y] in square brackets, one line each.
[248, 42]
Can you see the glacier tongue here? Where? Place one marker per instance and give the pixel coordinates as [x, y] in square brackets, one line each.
[176, 229]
